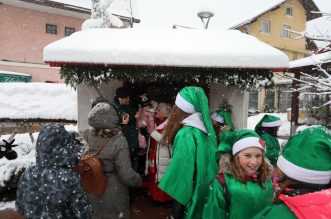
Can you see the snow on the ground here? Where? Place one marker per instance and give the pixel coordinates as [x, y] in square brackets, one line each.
[7, 205]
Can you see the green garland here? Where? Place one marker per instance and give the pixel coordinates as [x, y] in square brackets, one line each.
[90, 75]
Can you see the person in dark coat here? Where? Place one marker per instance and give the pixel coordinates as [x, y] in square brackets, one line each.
[127, 111]
[114, 201]
[51, 188]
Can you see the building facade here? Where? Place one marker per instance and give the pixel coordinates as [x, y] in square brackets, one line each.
[274, 27]
[23, 38]
[27, 26]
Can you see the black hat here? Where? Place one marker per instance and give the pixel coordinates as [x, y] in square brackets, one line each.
[122, 92]
[143, 101]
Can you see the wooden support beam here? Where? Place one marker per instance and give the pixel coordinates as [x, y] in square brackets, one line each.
[295, 104]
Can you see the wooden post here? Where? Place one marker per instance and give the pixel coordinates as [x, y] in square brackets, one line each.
[31, 137]
[295, 104]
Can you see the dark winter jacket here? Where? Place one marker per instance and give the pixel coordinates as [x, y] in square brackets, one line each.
[114, 201]
[51, 188]
[130, 130]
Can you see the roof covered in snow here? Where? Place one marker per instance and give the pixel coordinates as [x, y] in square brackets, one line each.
[37, 101]
[312, 60]
[13, 73]
[165, 47]
[76, 8]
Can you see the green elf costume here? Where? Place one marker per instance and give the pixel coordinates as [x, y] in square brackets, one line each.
[224, 117]
[194, 147]
[306, 159]
[263, 128]
[229, 197]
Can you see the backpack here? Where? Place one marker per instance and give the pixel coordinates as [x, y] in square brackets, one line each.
[91, 172]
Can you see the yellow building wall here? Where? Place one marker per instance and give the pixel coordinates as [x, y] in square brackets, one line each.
[295, 49]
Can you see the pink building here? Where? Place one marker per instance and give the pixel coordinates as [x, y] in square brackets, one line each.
[27, 26]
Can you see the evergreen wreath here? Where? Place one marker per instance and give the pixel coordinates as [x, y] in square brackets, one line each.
[91, 75]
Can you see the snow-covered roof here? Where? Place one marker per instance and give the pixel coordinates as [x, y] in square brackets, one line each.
[79, 3]
[165, 47]
[228, 14]
[76, 8]
[37, 101]
[312, 60]
[13, 73]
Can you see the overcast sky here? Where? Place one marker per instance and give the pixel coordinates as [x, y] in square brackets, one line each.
[324, 5]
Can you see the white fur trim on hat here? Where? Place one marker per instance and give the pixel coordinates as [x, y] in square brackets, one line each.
[217, 118]
[272, 124]
[246, 143]
[302, 174]
[184, 105]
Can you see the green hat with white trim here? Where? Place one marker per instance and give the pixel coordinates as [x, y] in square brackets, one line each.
[192, 100]
[223, 116]
[307, 156]
[268, 121]
[239, 140]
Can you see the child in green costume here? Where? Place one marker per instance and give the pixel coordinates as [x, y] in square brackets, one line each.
[222, 123]
[305, 176]
[267, 128]
[191, 133]
[243, 186]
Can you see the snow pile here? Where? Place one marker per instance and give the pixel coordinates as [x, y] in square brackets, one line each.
[26, 158]
[7, 205]
[26, 155]
[37, 101]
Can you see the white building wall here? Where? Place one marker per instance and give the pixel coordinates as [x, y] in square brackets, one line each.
[85, 97]
[238, 98]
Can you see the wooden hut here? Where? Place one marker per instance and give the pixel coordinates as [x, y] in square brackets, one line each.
[161, 61]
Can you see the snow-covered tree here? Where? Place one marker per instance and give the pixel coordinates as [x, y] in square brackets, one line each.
[318, 81]
[101, 16]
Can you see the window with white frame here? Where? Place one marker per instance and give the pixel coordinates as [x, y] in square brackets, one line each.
[285, 31]
[265, 26]
[289, 10]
